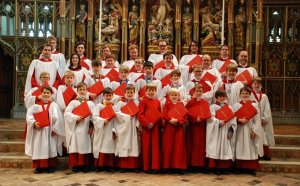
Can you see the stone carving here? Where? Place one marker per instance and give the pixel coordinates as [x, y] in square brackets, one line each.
[133, 25]
[210, 26]
[240, 21]
[160, 24]
[110, 29]
[187, 25]
[81, 23]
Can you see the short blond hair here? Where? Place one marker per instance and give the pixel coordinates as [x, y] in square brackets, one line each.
[173, 90]
[123, 68]
[257, 79]
[44, 73]
[69, 73]
[232, 67]
[131, 47]
[198, 86]
[150, 86]
[51, 38]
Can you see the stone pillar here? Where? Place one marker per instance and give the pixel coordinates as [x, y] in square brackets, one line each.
[249, 31]
[143, 13]
[177, 50]
[62, 13]
[72, 26]
[90, 28]
[124, 46]
[258, 43]
[231, 27]
[196, 20]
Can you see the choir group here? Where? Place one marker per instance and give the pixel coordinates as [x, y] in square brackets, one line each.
[158, 115]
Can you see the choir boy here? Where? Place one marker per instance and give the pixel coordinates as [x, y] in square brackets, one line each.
[104, 142]
[45, 133]
[266, 116]
[147, 78]
[220, 136]
[137, 70]
[78, 130]
[196, 130]
[229, 84]
[95, 76]
[175, 77]
[248, 135]
[150, 118]
[173, 137]
[207, 86]
[62, 98]
[128, 131]
[34, 95]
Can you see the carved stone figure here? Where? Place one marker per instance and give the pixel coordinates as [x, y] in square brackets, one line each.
[111, 14]
[81, 22]
[163, 11]
[133, 19]
[187, 26]
[209, 26]
[160, 24]
[240, 21]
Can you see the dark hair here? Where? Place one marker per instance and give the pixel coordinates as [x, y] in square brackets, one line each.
[224, 45]
[96, 63]
[176, 71]
[168, 54]
[71, 63]
[245, 88]
[46, 45]
[220, 93]
[80, 43]
[110, 56]
[190, 46]
[47, 87]
[81, 84]
[148, 64]
[107, 90]
[130, 87]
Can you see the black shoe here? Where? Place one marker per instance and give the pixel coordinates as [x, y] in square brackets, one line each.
[266, 158]
[217, 172]
[252, 172]
[75, 169]
[98, 169]
[38, 171]
[122, 170]
[180, 172]
[85, 169]
[137, 170]
[149, 172]
[111, 170]
[50, 170]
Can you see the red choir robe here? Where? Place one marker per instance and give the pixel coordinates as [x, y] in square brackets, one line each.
[173, 140]
[150, 142]
[196, 136]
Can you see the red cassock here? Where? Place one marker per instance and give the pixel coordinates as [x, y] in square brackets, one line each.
[196, 136]
[173, 141]
[150, 137]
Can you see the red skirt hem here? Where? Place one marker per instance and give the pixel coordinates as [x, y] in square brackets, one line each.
[76, 159]
[247, 164]
[44, 163]
[105, 160]
[129, 162]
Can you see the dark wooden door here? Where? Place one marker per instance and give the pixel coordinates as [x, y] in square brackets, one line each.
[6, 84]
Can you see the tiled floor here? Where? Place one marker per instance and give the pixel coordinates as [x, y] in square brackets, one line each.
[27, 177]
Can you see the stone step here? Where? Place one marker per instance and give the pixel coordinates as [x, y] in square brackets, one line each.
[11, 134]
[19, 160]
[280, 166]
[285, 152]
[12, 146]
[287, 140]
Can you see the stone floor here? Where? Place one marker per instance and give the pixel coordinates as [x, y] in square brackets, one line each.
[27, 177]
